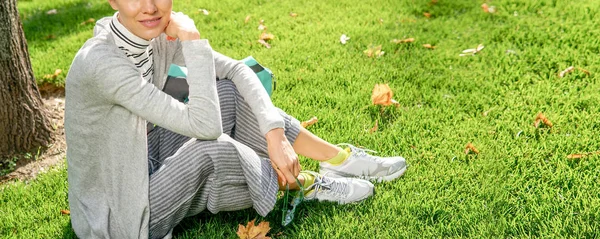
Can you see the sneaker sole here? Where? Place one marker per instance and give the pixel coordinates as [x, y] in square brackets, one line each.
[387, 178]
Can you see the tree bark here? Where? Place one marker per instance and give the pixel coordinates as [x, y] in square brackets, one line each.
[24, 124]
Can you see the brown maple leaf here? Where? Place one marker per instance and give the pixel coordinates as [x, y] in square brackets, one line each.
[252, 231]
[382, 95]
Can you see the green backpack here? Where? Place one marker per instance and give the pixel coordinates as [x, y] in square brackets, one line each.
[264, 74]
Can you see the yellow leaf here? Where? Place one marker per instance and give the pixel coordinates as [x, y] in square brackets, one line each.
[429, 46]
[382, 95]
[407, 40]
[293, 14]
[266, 36]
[254, 232]
[91, 20]
[374, 51]
[309, 122]
[247, 19]
[427, 15]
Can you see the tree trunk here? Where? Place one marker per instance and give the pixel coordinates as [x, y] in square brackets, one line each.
[24, 124]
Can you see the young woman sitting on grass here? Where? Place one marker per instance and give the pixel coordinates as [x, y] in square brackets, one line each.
[223, 149]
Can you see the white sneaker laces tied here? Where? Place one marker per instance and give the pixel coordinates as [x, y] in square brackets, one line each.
[325, 185]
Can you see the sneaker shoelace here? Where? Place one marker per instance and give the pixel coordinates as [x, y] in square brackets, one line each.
[362, 152]
[326, 185]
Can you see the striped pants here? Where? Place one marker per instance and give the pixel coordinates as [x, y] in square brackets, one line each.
[189, 175]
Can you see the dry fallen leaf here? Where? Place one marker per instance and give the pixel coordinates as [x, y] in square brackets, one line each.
[251, 231]
[374, 129]
[429, 46]
[472, 52]
[266, 36]
[374, 51]
[380, 20]
[470, 148]
[407, 40]
[433, 2]
[292, 14]
[542, 118]
[309, 122]
[65, 212]
[568, 70]
[91, 20]
[261, 25]
[247, 19]
[427, 15]
[51, 89]
[488, 9]
[344, 39]
[382, 95]
[204, 11]
[584, 71]
[582, 155]
[52, 12]
[264, 43]
[53, 76]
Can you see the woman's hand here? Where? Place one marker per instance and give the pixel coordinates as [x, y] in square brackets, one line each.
[181, 26]
[283, 157]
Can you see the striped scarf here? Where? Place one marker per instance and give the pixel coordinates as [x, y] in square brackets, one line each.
[138, 50]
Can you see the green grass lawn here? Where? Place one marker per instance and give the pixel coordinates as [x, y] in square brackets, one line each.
[521, 184]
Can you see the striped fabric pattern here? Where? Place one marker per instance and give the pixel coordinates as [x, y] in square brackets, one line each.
[227, 174]
[138, 50]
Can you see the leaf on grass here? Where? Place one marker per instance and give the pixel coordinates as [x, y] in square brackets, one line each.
[429, 46]
[541, 118]
[470, 148]
[261, 25]
[49, 37]
[264, 43]
[380, 20]
[382, 95]
[407, 40]
[488, 9]
[252, 231]
[91, 20]
[582, 155]
[53, 76]
[374, 129]
[344, 39]
[433, 2]
[374, 51]
[51, 89]
[247, 19]
[566, 71]
[584, 71]
[52, 12]
[65, 212]
[472, 52]
[293, 14]
[427, 15]
[204, 11]
[309, 122]
[266, 36]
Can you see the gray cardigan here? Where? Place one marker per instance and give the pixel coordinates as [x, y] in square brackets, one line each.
[107, 106]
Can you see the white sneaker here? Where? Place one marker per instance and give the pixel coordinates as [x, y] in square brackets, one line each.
[340, 190]
[363, 165]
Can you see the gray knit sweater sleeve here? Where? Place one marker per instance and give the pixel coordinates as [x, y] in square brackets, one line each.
[200, 118]
[248, 85]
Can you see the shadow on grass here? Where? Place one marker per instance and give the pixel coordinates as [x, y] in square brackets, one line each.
[225, 224]
[70, 19]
